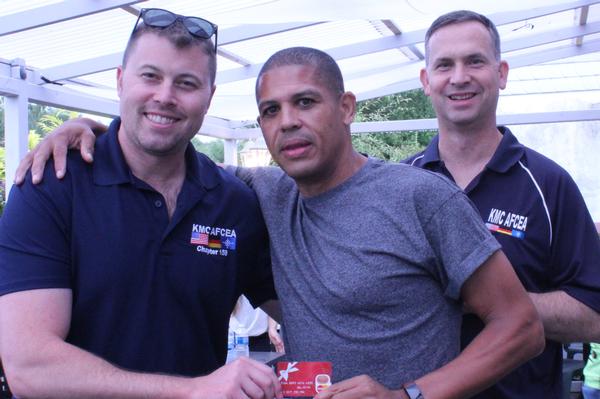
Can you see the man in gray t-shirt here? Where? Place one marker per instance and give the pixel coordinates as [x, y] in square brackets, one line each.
[370, 279]
[373, 262]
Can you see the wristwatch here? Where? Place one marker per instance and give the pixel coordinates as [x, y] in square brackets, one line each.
[413, 391]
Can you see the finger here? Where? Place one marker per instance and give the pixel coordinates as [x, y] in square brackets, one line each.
[336, 389]
[97, 127]
[326, 394]
[87, 147]
[59, 153]
[264, 377]
[40, 154]
[23, 168]
[253, 390]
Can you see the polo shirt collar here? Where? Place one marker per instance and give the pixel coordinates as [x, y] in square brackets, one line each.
[110, 167]
[431, 154]
[109, 164]
[508, 153]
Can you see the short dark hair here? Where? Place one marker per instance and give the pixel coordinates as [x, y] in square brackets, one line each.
[456, 17]
[180, 37]
[326, 68]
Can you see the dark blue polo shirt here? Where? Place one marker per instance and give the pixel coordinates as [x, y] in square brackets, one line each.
[536, 212]
[149, 293]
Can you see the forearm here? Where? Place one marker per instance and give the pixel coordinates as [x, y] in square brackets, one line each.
[500, 347]
[565, 318]
[60, 370]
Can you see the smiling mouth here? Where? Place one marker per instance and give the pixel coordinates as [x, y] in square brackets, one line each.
[459, 97]
[160, 119]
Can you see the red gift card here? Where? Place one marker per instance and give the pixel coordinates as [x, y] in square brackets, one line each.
[303, 378]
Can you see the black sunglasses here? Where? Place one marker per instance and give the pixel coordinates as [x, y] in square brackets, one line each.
[159, 18]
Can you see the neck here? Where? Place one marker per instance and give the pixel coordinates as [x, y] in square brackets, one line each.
[164, 173]
[466, 152]
[468, 145]
[346, 168]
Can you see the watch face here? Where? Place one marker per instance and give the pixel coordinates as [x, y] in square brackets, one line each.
[413, 391]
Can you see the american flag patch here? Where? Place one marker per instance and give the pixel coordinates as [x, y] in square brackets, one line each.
[199, 238]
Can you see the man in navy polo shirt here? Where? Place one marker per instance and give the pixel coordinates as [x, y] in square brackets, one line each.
[531, 205]
[119, 281]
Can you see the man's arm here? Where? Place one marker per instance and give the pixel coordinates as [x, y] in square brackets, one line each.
[75, 133]
[275, 337]
[39, 363]
[513, 334]
[566, 319]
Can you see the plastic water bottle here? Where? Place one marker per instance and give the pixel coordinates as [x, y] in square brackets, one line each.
[230, 347]
[242, 345]
[230, 341]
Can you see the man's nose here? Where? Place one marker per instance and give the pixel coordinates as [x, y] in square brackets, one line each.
[289, 118]
[460, 75]
[164, 93]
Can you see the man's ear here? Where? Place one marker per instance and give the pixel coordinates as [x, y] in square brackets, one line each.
[348, 105]
[424, 77]
[503, 71]
[119, 79]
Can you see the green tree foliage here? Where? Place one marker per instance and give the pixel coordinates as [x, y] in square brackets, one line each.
[215, 150]
[394, 146]
[46, 122]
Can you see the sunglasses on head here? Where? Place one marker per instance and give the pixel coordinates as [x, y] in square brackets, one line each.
[159, 18]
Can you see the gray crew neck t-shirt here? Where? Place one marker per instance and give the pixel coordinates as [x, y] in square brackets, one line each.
[369, 273]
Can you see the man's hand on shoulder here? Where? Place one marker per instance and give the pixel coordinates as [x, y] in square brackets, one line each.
[360, 387]
[75, 133]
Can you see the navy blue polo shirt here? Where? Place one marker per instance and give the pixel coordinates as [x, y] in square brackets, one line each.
[149, 293]
[535, 210]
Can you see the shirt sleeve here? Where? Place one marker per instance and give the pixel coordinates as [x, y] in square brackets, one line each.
[575, 251]
[34, 237]
[460, 241]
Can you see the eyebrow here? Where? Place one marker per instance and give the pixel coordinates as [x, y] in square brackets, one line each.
[178, 76]
[308, 92]
[267, 103]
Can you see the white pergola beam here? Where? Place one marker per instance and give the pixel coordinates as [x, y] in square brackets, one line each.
[84, 67]
[50, 14]
[551, 37]
[508, 17]
[431, 124]
[507, 119]
[230, 152]
[16, 133]
[110, 61]
[408, 39]
[554, 54]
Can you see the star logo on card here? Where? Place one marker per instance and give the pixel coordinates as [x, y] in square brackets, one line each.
[284, 374]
